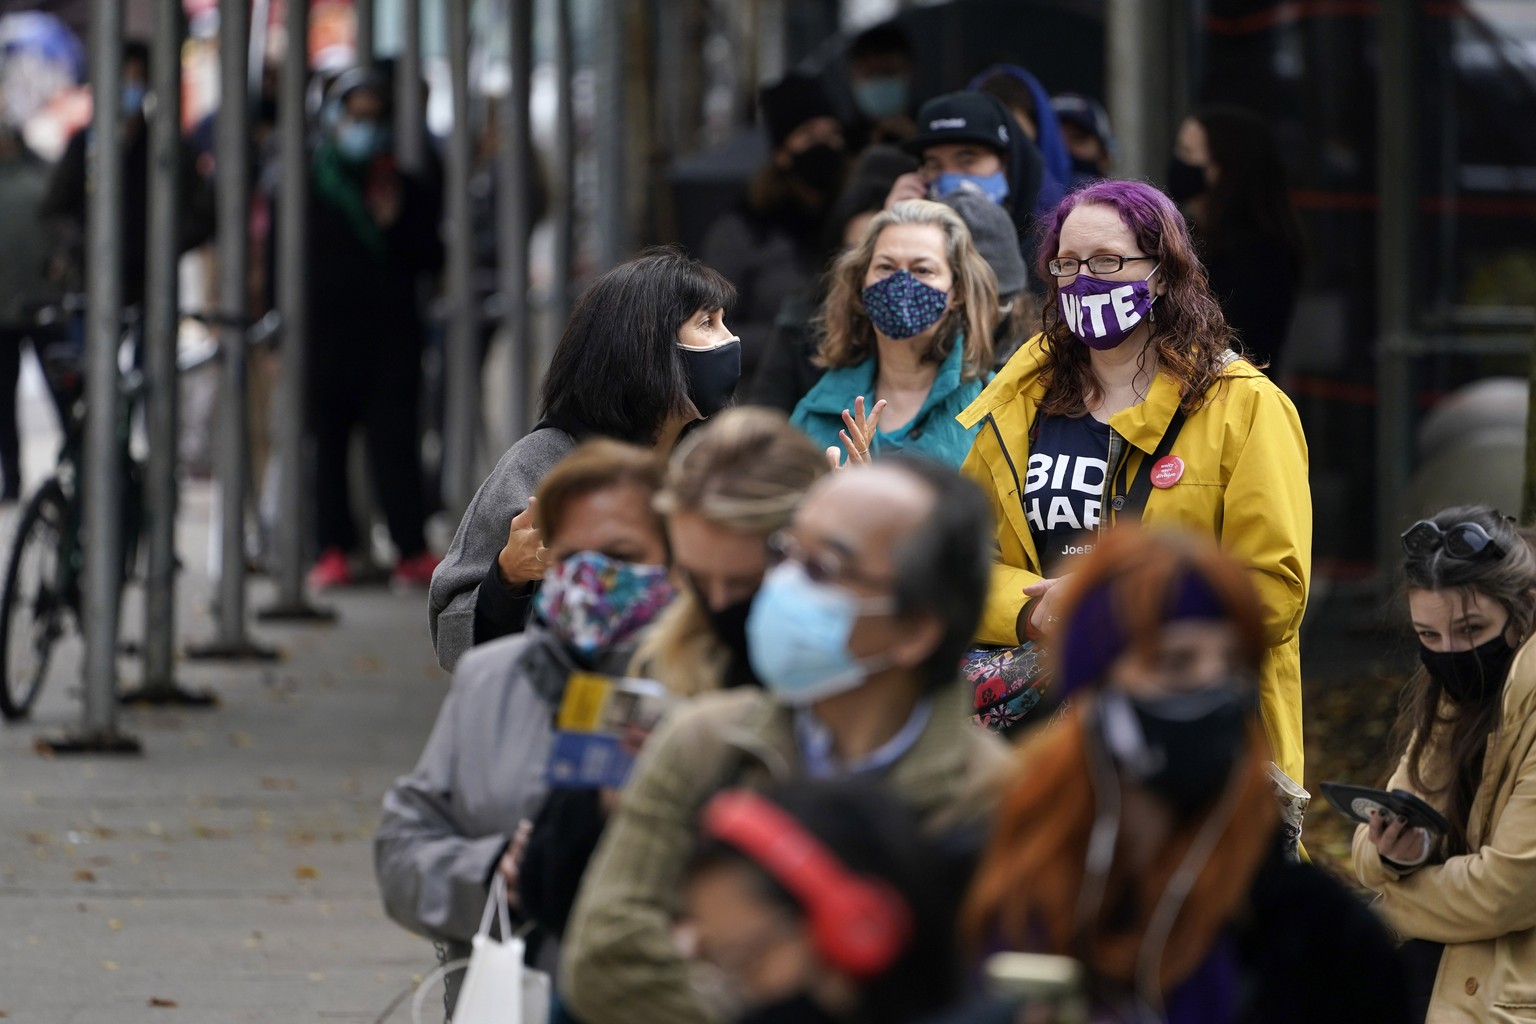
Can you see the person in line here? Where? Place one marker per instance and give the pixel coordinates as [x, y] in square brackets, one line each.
[28, 280]
[906, 339]
[1228, 174]
[1030, 104]
[1465, 901]
[969, 140]
[462, 815]
[645, 354]
[730, 486]
[374, 233]
[817, 902]
[856, 634]
[788, 367]
[1131, 404]
[996, 239]
[1141, 834]
[64, 206]
[1085, 129]
[770, 244]
[881, 63]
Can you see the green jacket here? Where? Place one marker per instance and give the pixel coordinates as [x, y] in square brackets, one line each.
[620, 963]
[932, 432]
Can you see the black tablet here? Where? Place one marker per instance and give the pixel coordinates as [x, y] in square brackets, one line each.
[1357, 802]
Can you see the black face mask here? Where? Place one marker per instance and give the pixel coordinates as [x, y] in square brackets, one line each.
[1470, 677]
[801, 1009]
[729, 624]
[1187, 745]
[820, 167]
[712, 375]
[1185, 180]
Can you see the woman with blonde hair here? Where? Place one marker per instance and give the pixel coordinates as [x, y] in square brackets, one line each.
[906, 339]
[729, 488]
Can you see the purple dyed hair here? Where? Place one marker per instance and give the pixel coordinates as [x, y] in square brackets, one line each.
[1189, 334]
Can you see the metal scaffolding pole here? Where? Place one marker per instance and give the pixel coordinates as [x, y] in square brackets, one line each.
[410, 118]
[1397, 184]
[462, 357]
[612, 218]
[514, 165]
[162, 308]
[102, 486]
[1142, 104]
[292, 435]
[364, 13]
[565, 174]
[232, 171]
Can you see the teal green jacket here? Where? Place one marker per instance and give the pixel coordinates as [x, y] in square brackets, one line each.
[933, 432]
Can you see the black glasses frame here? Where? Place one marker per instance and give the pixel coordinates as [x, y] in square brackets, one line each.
[1107, 263]
[1461, 540]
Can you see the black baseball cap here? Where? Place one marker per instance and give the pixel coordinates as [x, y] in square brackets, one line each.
[958, 117]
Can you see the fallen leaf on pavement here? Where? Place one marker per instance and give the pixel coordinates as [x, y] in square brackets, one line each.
[109, 965]
[114, 924]
[85, 875]
[157, 1001]
[268, 782]
[304, 871]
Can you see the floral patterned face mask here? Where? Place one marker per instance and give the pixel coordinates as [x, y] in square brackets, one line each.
[591, 601]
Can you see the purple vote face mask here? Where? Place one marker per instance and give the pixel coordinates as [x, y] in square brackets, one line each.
[1104, 313]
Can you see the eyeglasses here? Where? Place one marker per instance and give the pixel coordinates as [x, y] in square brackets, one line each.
[1103, 264]
[1463, 540]
[820, 567]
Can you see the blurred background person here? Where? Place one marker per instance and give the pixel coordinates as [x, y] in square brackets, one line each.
[1466, 737]
[1030, 104]
[65, 204]
[855, 633]
[1085, 129]
[29, 279]
[907, 322]
[730, 486]
[464, 813]
[1141, 835]
[374, 232]
[1228, 175]
[770, 244]
[821, 902]
[969, 140]
[1140, 409]
[787, 369]
[997, 241]
[881, 63]
[645, 353]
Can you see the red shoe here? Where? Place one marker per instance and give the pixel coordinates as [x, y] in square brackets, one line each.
[415, 571]
[331, 570]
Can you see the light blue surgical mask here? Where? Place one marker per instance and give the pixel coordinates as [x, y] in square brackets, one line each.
[133, 98]
[797, 636]
[993, 186]
[360, 140]
[885, 96]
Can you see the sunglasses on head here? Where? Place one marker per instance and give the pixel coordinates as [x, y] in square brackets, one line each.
[1463, 540]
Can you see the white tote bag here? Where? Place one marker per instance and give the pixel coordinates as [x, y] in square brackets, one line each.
[497, 988]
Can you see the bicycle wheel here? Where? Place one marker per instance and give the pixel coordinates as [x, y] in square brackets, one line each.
[37, 607]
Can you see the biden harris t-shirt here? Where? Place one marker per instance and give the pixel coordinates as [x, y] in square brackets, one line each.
[1064, 487]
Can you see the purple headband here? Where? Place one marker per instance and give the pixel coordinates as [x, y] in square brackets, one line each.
[1094, 636]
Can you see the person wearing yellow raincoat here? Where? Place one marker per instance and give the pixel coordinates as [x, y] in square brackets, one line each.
[1132, 400]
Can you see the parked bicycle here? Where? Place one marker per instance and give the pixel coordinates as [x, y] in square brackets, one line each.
[40, 605]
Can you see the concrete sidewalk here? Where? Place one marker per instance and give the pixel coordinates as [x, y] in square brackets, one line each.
[226, 875]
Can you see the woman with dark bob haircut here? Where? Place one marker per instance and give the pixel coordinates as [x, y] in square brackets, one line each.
[646, 353]
[1132, 405]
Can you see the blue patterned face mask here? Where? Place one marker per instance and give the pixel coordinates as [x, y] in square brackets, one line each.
[900, 306]
[993, 186]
